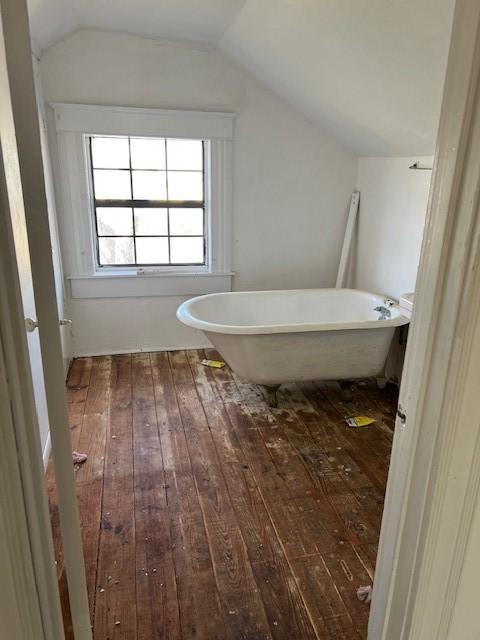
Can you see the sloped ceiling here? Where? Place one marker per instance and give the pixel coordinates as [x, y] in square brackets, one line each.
[191, 20]
[369, 71]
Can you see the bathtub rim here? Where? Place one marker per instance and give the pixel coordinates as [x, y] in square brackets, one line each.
[185, 316]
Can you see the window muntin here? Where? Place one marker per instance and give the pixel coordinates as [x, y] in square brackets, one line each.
[149, 201]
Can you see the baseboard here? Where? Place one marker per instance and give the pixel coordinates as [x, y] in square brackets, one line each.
[67, 363]
[115, 352]
[47, 449]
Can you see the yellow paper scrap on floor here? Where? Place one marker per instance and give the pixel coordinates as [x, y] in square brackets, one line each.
[359, 421]
[215, 364]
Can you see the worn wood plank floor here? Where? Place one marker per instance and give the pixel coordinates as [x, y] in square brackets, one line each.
[206, 514]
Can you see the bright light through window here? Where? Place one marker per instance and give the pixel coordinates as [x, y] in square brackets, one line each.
[149, 200]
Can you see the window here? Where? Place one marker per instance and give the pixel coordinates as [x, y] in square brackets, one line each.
[148, 201]
[145, 200]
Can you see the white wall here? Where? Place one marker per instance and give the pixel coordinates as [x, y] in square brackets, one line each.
[291, 182]
[393, 205]
[119, 325]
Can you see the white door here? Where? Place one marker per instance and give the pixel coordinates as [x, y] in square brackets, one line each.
[24, 268]
[28, 211]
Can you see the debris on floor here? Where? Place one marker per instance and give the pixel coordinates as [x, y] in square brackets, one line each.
[78, 458]
[339, 479]
[214, 364]
[359, 421]
[364, 594]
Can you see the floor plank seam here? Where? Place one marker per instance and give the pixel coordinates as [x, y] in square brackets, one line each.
[341, 416]
[109, 394]
[277, 532]
[227, 489]
[307, 608]
[218, 594]
[170, 516]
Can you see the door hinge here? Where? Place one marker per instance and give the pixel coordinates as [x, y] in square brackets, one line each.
[401, 415]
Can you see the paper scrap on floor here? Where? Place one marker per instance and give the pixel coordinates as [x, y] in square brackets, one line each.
[364, 594]
[214, 364]
[359, 421]
[78, 458]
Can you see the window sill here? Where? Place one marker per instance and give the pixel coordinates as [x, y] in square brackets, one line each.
[148, 284]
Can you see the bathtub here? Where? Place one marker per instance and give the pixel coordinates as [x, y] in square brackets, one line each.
[272, 337]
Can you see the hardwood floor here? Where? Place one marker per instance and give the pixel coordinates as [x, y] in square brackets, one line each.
[206, 514]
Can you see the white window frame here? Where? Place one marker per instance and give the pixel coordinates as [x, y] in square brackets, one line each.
[205, 205]
[74, 124]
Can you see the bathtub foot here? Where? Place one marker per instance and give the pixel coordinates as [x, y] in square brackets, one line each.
[272, 396]
[346, 387]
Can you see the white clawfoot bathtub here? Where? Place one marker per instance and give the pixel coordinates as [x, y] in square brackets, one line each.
[272, 337]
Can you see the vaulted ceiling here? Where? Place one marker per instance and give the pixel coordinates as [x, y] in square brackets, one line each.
[194, 20]
[369, 71]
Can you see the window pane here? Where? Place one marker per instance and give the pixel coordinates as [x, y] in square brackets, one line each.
[116, 250]
[152, 250]
[110, 153]
[149, 185]
[185, 154]
[111, 185]
[147, 153]
[151, 222]
[186, 222]
[114, 221]
[185, 185]
[186, 250]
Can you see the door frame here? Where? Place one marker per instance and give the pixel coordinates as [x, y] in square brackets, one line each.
[25, 151]
[29, 596]
[434, 477]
